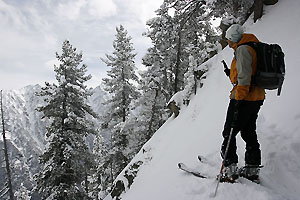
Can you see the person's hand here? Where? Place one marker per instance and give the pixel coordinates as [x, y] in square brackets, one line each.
[226, 69]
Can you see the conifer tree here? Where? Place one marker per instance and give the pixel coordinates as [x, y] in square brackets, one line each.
[238, 9]
[6, 158]
[151, 104]
[176, 37]
[22, 193]
[67, 159]
[162, 32]
[100, 179]
[123, 93]
[190, 80]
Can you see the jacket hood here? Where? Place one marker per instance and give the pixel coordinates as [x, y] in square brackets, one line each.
[247, 37]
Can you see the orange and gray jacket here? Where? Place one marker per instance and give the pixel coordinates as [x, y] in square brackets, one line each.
[243, 67]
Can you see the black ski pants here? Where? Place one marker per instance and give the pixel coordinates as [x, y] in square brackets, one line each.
[246, 124]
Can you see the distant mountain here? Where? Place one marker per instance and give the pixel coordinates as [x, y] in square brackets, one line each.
[26, 132]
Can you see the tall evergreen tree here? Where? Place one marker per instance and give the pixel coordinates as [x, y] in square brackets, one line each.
[100, 177]
[162, 32]
[22, 193]
[121, 75]
[67, 159]
[238, 9]
[175, 37]
[6, 158]
[119, 84]
[151, 104]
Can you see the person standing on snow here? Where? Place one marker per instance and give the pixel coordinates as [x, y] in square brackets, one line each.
[242, 112]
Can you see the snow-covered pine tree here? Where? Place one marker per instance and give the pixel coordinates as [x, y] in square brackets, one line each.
[66, 159]
[121, 75]
[162, 32]
[198, 40]
[237, 9]
[8, 184]
[22, 193]
[123, 92]
[151, 105]
[190, 79]
[175, 37]
[100, 178]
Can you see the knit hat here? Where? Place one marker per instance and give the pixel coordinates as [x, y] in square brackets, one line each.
[234, 33]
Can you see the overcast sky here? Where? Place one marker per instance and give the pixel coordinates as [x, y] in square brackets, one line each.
[31, 31]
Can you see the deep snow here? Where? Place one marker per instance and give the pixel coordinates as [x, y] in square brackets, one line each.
[197, 130]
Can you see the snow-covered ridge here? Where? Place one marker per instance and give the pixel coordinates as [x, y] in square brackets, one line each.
[197, 130]
[23, 120]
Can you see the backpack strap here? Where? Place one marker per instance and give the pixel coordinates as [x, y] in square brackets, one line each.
[251, 44]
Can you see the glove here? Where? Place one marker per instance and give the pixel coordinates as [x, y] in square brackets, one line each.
[227, 72]
[236, 121]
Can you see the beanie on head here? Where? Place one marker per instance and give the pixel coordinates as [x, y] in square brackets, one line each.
[234, 33]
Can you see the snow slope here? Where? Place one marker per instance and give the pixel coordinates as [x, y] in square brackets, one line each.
[197, 130]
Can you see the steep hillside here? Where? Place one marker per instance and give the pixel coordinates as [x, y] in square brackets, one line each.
[197, 131]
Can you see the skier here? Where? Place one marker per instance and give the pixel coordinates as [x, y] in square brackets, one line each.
[242, 112]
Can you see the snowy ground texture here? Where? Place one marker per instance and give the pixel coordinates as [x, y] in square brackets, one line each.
[197, 130]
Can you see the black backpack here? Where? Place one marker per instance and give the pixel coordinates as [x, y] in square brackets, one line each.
[270, 66]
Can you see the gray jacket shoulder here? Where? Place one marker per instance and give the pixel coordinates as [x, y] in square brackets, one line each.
[243, 51]
[244, 64]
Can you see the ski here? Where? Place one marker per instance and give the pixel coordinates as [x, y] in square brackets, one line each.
[200, 158]
[184, 168]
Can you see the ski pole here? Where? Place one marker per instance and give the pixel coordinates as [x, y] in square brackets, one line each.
[225, 155]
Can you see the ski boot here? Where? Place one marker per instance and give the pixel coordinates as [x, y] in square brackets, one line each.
[250, 172]
[229, 174]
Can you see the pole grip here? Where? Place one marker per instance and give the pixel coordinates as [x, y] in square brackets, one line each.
[225, 65]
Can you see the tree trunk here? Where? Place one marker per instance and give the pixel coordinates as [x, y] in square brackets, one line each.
[150, 131]
[123, 98]
[86, 183]
[177, 65]
[11, 194]
[258, 9]
[236, 7]
[111, 163]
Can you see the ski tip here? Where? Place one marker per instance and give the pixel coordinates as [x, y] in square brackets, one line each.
[200, 158]
[180, 165]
